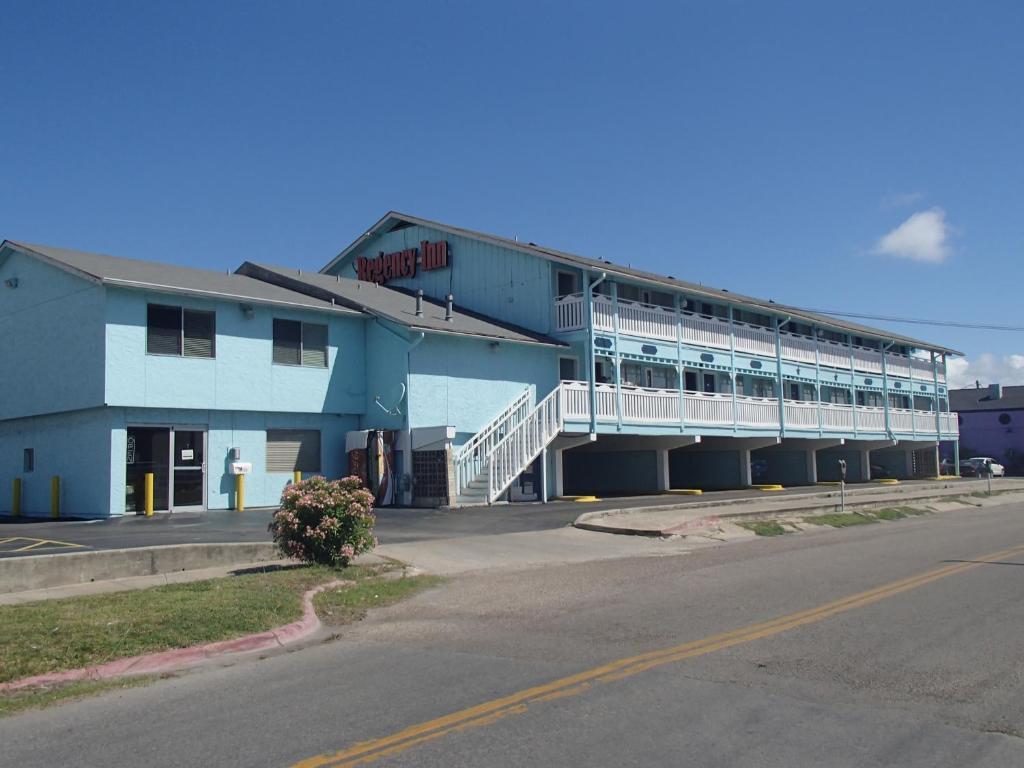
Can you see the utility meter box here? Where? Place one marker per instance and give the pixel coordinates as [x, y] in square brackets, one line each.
[241, 467]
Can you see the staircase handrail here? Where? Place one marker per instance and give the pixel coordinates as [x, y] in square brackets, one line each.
[511, 455]
[470, 458]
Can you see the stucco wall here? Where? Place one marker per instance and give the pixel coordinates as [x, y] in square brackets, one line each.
[387, 372]
[225, 430]
[242, 375]
[51, 340]
[982, 434]
[74, 446]
[828, 464]
[465, 383]
[595, 472]
[697, 468]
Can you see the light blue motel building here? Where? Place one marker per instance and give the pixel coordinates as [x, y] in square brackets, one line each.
[448, 367]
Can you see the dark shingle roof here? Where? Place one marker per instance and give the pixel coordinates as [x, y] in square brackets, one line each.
[395, 305]
[797, 314]
[980, 399]
[150, 275]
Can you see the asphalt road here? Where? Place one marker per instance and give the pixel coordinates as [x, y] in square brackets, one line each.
[756, 656]
[36, 536]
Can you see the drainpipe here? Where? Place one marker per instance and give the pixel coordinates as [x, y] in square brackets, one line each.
[778, 372]
[589, 304]
[411, 344]
[885, 391]
[618, 358]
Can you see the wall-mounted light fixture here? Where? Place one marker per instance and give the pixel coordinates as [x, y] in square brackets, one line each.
[11, 282]
[247, 310]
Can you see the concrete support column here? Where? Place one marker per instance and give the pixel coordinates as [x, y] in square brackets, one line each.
[865, 465]
[746, 478]
[663, 473]
[812, 466]
[557, 474]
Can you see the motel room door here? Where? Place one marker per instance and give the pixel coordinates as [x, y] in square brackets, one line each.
[176, 457]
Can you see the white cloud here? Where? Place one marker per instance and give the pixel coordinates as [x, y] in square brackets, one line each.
[922, 237]
[986, 369]
[901, 199]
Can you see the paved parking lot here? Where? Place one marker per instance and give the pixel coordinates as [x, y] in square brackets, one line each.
[33, 536]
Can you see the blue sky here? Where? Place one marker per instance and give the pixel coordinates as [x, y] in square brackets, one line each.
[840, 156]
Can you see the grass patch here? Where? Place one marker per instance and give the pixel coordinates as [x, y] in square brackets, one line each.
[38, 698]
[55, 635]
[347, 604]
[897, 513]
[840, 520]
[764, 527]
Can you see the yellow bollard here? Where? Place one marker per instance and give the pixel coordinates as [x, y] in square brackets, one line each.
[240, 493]
[55, 496]
[297, 477]
[16, 500]
[149, 493]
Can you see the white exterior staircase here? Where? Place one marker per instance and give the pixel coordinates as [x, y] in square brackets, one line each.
[486, 465]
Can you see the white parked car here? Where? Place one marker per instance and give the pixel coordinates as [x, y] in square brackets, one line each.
[979, 462]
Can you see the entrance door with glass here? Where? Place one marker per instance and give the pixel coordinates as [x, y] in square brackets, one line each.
[176, 456]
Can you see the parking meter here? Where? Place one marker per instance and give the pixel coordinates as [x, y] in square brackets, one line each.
[987, 469]
[842, 469]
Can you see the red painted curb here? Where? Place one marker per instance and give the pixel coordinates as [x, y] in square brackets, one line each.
[179, 658]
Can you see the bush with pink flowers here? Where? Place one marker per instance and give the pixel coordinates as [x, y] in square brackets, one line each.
[324, 521]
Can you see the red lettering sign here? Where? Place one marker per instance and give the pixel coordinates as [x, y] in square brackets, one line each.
[399, 264]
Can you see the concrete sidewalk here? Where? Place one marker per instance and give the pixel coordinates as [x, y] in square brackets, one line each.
[683, 519]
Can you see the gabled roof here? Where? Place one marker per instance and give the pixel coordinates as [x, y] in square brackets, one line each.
[168, 278]
[393, 219]
[395, 305]
[980, 399]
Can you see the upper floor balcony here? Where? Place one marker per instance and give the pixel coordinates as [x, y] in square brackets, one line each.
[672, 407]
[664, 323]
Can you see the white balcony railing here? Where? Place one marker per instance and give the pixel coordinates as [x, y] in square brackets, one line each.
[569, 312]
[641, 405]
[648, 321]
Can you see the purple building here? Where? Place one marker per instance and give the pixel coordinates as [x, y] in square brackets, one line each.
[991, 424]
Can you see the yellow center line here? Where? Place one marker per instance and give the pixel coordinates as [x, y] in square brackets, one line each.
[573, 685]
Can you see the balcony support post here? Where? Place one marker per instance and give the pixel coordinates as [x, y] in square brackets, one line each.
[679, 362]
[935, 396]
[885, 391]
[618, 359]
[778, 373]
[589, 305]
[732, 364]
[817, 379]
[949, 412]
[853, 404]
